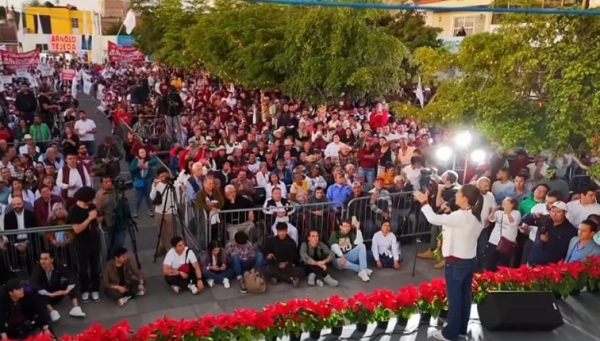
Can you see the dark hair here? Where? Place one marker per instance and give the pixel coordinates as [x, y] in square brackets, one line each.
[240, 238]
[451, 175]
[521, 176]
[49, 252]
[104, 177]
[595, 218]
[13, 284]
[504, 169]
[514, 202]
[554, 194]
[588, 189]
[175, 240]
[121, 251]
[346, 221]
[213, 245]
[415, 160]
[85, 194]
[313, 230]
[592, 224]
[474, 198]
[281, 226]
[162, 170]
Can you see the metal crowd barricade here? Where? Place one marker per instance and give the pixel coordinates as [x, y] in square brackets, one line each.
[20, 249]
[192, 219]
[403, 212]
[259, 222]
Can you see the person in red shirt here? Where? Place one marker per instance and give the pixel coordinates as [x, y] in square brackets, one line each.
[5, 133]
[225, 112]
[368, 157]
[379, 118]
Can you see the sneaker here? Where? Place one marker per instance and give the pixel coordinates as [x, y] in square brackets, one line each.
[319, 283]
[121, 302]
[364, 275]
[369, 272]
[243, 288]
[175, 289]
[85, 297]
[76, 312]
[425, 254]
[95, 296]
[210, 282]
[135, 214]
[311, 279]
[226, 283]
[330, 281]
[193, 289]
[438, 335]
[54, 316]
[463, 336]
[151, 214]
[140, 293]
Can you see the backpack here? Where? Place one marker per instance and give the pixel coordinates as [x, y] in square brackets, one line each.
[255, 282]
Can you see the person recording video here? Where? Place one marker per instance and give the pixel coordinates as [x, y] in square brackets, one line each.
[172, 106]
[162, 194]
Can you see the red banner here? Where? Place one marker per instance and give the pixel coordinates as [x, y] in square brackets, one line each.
[118, 53]
[20, 61]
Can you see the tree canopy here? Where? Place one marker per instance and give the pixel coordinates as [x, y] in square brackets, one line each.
[310, 52]
[533, 82]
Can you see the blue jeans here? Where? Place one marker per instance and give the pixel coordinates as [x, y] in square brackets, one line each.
[356, 259]
[368, 174]
[218, 277]
[388, 262]
[90, 146]
[239, 265]
[114, 241]
[459, 278]
[143, 194]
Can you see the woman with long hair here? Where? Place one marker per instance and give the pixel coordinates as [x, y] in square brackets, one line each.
[70, 143]
[461, 230]
[504, 234]
[216, 267]
[127, 145]
[142, 170]
[22, 130]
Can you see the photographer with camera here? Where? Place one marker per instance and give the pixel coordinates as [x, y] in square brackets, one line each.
[172, 106]
[106, 202]
[553, 235]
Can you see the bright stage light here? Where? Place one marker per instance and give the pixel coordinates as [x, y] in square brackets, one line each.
[478, 156]
[464, 139]
[443, 153]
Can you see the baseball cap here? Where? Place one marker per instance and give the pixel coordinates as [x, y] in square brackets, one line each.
[378, 178]
[560, 205]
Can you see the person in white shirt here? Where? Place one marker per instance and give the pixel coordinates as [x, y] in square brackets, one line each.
[72, 177]
[489, 202]
[504, 234]
[181, 268]
[262, 176]
[579, 210]
[386, 248]
[85, 128]
[280, 209]
[412, 172]
[333, 148]
[537, 169]
[274, 182]
[460, 233]
[163, 211]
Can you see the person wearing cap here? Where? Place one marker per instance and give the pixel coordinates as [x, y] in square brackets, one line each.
[553, 236]
[28, 139]
[22, 313]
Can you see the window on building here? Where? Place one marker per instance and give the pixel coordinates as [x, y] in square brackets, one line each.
[471, 23]
[41, 47]
[75, 23]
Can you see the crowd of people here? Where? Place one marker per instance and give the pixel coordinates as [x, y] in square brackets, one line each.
[265, 174]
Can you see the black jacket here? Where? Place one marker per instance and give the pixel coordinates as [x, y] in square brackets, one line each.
[32, 306]
[11, 224]
[284, 250]
[60, 278]
[26, 102]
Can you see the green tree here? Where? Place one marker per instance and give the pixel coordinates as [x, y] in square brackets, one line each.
[238, 41]
[410, 28]
[160, 29]
[533, 84]
[330, 51]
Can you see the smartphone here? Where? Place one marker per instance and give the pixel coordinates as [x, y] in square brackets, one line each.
[354, 220]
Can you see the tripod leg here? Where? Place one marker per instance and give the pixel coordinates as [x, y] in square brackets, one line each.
[160, 231]
[414, 268]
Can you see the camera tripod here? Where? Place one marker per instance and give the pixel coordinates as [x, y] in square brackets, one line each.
[168, 192]
[122, 217]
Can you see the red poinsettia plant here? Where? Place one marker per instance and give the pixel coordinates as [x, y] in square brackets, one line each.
[298, 315]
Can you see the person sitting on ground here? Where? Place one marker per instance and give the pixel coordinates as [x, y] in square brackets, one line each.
[22, 314]
[54, 281]
[386, 248]
[122, 280]
[244, 256]
[350, 250]
[282, 255]
[215, 265]
[316, 256]
[181, 268]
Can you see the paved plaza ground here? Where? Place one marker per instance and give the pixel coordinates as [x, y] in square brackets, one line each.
[581, 313]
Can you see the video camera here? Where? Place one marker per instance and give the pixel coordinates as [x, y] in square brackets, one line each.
[119, 184]
[544, 222]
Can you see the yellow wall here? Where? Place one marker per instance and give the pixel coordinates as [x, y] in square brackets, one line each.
[60, 19]
[445, 21]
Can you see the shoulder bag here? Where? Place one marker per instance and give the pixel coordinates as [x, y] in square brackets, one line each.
[505, 246]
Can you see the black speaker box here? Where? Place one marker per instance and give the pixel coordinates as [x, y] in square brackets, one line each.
[519, 311]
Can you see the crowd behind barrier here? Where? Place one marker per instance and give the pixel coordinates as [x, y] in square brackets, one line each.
[20, 249]
[400, 208]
